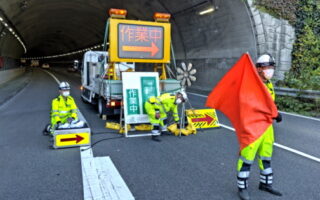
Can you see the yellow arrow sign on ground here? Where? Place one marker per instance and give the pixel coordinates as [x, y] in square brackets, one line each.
[72, 139]
[203, 118]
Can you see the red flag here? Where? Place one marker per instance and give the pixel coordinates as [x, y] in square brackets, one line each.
[244, 99]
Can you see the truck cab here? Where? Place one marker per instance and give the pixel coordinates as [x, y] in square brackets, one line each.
[102, 85]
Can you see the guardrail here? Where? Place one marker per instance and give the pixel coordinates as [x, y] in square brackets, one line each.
[309, 94]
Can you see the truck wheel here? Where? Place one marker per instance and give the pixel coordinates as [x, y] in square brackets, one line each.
[102, 108]
[83, 100]
[83, 93]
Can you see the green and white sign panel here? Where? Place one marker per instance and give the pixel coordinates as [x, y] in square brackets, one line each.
[137, 88]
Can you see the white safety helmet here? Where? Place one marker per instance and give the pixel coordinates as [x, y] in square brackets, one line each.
[265, 60]
[64, 86]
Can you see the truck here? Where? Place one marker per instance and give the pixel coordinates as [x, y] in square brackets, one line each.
[101, 74]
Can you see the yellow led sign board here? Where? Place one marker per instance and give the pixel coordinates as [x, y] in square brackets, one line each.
[139, 41]
[71, 140]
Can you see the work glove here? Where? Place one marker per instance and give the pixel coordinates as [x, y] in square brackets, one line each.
[278, 118]
[157, 115]
[70, 119]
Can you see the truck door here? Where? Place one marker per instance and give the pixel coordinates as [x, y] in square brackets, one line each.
[88, 74]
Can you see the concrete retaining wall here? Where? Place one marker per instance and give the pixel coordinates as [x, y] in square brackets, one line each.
[10, 74]
[275, 36]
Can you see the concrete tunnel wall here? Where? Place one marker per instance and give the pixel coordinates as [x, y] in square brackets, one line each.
[212, 42]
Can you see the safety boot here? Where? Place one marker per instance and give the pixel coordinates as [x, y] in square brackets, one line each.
[243, 177]
[155, 138]
[155, 133]
[268, 188]
[244, 194]
[266, 184]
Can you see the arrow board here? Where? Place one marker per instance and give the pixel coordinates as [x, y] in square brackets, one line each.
[204, 118]
[71, 138]
[139, 41]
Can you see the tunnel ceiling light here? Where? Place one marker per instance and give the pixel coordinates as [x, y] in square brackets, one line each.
[2, 20]
[66, 54]
[118, 13]
[161, 17]
[207, 11]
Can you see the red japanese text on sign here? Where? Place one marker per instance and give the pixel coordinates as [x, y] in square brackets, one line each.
[140, 34]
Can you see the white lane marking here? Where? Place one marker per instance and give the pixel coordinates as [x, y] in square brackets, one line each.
[200, 95]
[283, 147]
[111, 180]
[227, 127]
[53, 76]
[293, 114]
[100, 178]
[276, 144]
[297, 152]
[302, 116]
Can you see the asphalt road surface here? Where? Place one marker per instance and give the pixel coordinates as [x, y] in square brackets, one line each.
[195, 167]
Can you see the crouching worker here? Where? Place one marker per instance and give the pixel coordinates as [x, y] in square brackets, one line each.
[64, 111]
[157, 109]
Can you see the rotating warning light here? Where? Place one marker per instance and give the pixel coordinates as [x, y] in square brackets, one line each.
[118, 13]
[161, 17]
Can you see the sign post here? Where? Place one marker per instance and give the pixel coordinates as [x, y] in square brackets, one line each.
[137, 88]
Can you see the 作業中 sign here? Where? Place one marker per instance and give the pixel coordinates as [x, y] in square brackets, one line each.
[139, 41]
[138, 87]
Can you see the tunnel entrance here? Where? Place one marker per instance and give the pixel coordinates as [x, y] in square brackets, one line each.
[212, 34]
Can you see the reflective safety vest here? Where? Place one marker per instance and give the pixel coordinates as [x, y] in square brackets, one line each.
[63, 109]
[269, 85]
[163, 103]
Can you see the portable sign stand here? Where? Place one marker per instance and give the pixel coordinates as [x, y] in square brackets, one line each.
[182, 120]
[137, 88]
[73, 137]
[203, 118]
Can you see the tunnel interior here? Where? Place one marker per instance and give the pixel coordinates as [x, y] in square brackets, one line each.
[212, 41]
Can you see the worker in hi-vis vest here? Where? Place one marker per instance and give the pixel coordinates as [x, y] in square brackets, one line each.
[157, 108]
[263, 146]
[63, 111]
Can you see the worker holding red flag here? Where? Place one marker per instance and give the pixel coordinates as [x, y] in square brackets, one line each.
[246, 96]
